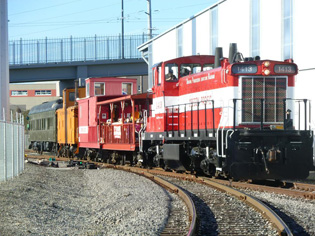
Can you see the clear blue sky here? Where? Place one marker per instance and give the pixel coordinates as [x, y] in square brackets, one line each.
[35, 19]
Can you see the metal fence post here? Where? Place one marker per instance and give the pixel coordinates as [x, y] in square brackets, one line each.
[130, 48]
[95, 42]
[12, 129]
[71, 52]
[120, 43]
[107, 44]
[18, 148]
[22, 142]
[4, 148]
[61, 50]
[38, 51]
[21, 51]
[13, 52]
[84, 49]
[46, 50]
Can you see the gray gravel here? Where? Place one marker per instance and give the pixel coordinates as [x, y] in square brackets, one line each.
[298, 214]
[48, 201]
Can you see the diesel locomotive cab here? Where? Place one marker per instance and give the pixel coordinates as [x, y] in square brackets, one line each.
[233, 117]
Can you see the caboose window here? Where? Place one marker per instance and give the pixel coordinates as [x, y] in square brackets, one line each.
[99, 88]
[272, 90]
[126, 88]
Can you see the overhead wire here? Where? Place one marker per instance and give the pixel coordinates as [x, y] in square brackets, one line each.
[111, 20]
[42, 8]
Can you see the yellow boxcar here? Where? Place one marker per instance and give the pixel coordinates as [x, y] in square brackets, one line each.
[67, 122]
[72, 122]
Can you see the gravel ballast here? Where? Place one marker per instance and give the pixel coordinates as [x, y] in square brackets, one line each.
[48, 201]
[298, 214]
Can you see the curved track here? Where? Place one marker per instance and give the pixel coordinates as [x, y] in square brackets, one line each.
[301, 190]
[294, 190]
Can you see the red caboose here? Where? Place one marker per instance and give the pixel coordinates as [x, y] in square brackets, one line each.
[108, 116]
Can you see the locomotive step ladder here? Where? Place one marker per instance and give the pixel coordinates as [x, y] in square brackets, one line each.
[222, 131]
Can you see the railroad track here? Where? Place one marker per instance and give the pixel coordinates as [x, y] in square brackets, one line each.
[278, 223]
[292, 189]
[175, 225]
[301, 189]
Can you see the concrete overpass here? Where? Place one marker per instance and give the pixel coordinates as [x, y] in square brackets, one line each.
[67, 72]
[67, 59]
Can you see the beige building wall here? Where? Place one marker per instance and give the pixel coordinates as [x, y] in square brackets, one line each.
[26, 95]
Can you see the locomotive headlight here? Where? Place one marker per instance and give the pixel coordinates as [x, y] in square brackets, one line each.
[266, 72]
[267, 63]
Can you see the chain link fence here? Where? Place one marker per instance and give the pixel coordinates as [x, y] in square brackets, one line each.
[38, 51]
[11, 147]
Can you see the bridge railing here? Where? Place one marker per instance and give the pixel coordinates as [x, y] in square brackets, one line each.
[47, 50]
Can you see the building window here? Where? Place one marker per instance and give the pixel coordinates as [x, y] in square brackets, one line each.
[19, 93]
[99, 89]
[287, 29]
[255, 28]
[214, 29]
[180, 41]
[126, 88]
[42, 92]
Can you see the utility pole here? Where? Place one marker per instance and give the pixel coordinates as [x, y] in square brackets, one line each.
[122, 31]
[149, 19]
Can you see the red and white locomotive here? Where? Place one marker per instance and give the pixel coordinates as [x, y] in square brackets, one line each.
[209, 114]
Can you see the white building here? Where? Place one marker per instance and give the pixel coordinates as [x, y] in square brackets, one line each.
[272, 29]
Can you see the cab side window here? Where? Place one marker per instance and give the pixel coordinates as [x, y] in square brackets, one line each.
[171, 72]
[187, 69]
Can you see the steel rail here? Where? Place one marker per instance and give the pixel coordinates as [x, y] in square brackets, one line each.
[300, 190]
[305, 186]
[281, 226]
[172, 188]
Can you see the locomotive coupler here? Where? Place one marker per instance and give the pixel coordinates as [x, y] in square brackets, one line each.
[272, 154]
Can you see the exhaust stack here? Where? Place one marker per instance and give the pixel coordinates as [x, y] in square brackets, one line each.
[232, 52]
[218, 56]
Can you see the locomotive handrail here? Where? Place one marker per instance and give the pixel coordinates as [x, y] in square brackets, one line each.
[285, 118]
[249, 99]
[305, 111]
[171, 109]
